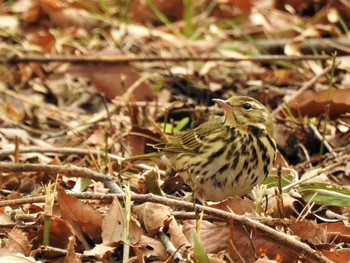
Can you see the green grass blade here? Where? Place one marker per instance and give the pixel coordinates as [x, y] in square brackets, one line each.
[163, 18]
[188, 15]
[199, 250]
[327, 194]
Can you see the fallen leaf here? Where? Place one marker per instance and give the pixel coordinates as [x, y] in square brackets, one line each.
[60, 232]
[210, 234]
[83, 217]
[312, 103]
[154, 217]
[249, 245]
[17, 243]
[309, 231]
[337, 255]
[113, 228]
[237, 205]
[336, 232]
[100, 252]
[152, 247]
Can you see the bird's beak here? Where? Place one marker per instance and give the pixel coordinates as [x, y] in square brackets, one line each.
[223, 104]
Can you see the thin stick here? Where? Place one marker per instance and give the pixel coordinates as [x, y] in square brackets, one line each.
[71, 150]
[67, 170]
[129, 59]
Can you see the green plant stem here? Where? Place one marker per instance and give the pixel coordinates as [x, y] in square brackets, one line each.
[46, 234]
[327, 103]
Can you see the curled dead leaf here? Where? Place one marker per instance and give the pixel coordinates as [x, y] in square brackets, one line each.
[312, 103]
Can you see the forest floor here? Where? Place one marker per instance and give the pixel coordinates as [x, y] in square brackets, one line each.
[84, 84]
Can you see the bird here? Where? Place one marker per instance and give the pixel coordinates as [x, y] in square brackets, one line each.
[225, 156]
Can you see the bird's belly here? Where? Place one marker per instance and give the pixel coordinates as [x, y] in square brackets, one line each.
[232, 182]
[226, 175]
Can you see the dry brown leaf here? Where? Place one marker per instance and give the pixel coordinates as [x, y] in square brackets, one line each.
[152, 216]
[61, 236]
[17, 243]
[312, 103]
[100, 252]
[309, 231]
[156, 216]
[214, 236]
[151, 246]
[337, 255]
[81, 216]
[71, 257]
[237, 205]
[113, 229]
[251, 243]
[263, 246]
[336, 232]
[60, 232]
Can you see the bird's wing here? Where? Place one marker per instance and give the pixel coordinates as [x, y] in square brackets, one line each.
[192, 140]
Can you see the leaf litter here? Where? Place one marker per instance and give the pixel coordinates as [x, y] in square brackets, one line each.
[90, 115]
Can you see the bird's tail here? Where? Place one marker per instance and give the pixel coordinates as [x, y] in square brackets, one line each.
[154, 157]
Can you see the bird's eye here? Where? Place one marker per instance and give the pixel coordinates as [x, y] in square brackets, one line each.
[247, 106]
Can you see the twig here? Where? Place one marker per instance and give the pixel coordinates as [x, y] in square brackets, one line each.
[329, 45]
[181, 215]
[129, 59]
[281, 237]
[170, 248]
[56, 250]
[71, 150]
[67, 170]
[324, 141]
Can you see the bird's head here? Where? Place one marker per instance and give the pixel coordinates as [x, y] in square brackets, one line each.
[246, 112]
